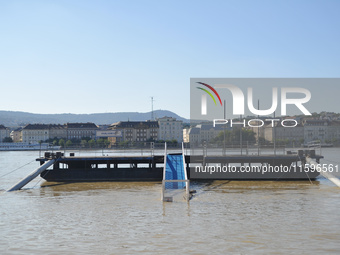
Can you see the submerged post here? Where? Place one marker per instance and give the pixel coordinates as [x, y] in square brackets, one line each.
[187, 188]
[31, 176]
[164, 169]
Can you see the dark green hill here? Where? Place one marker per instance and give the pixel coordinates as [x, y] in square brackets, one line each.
[13, 119]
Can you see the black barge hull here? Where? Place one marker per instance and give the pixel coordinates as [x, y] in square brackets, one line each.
[150, 168]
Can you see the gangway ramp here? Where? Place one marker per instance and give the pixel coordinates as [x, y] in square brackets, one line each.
[32, 175]
[175, 174]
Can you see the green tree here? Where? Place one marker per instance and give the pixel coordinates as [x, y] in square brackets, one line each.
[123, 144]
[101, 142]
[7, 140]
[68, 143]
[84, 143]
[107, 143]
[174, 142]
[91, 143]
[62, 142]
[301, 141]
[262, 140]
[233, 136]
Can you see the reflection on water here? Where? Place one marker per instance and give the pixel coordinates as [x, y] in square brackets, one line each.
[54, 188]
[242, 217]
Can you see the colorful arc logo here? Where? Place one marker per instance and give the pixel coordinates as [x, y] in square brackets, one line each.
[209, 93]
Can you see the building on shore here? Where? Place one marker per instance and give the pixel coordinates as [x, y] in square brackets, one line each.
[170, 129]
[186, 138]
[4, 132]
[323, 130]
[35, 133]
[81, 130]
[135, 131]
[333, 132]
[315, 130]
[193, 136]
[16, 135]
[57, 131]
[306, 131]
[204, 133]
[281, 133]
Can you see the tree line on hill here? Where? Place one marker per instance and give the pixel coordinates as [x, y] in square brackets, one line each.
[85, 142]
[19, 119]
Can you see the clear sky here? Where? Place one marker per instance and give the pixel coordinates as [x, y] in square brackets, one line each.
[112, 56]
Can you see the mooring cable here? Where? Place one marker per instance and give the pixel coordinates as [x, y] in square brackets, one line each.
[17, 169]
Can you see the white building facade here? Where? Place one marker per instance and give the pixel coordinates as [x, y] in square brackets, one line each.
[34, 133]
[170, 129]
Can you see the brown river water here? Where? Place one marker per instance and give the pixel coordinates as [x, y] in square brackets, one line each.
[237, 217]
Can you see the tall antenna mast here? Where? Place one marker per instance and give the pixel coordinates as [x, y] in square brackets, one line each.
[152, 117]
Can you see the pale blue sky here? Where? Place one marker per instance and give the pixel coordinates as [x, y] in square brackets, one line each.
[111, 56]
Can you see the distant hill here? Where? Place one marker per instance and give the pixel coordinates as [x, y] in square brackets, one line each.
[14, 119]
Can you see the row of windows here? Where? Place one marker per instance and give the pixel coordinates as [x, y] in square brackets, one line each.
[36, 138]
[140, 140]
[138, 132]
[80, 132]
[173, 123]
[171, 132]
[178, 128]
[80, 136]
[36, 133]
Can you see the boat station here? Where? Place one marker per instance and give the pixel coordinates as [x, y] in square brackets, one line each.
[175, 167]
